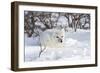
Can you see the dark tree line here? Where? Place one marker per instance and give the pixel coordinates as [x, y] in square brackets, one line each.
[35, 21]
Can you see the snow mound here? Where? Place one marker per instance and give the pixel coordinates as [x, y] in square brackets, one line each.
[77, 46]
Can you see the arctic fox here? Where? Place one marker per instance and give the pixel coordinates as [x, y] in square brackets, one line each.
[52, 38]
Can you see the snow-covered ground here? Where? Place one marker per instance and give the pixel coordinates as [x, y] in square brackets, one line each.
[77, 46]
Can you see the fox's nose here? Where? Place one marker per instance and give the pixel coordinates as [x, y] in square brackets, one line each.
[61, 41]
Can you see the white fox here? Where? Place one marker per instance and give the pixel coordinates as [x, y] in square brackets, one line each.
[52, 38]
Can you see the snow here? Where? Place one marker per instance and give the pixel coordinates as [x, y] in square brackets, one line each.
[38, 23]
[87, 25]
[77, 46]
[54, 16]
[30, 41]
[26, 12]
[62, 21]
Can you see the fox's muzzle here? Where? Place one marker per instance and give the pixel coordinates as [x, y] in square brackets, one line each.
[60, 40]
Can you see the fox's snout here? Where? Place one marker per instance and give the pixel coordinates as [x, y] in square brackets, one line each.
[60, 40]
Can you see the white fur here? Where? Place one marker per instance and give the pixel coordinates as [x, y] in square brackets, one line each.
[52, 38]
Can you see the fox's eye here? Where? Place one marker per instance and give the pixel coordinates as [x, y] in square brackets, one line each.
[57, 37]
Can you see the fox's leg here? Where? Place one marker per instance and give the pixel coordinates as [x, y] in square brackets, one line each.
[42, 49]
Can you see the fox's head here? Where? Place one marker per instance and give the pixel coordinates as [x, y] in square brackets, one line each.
[60, 35]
